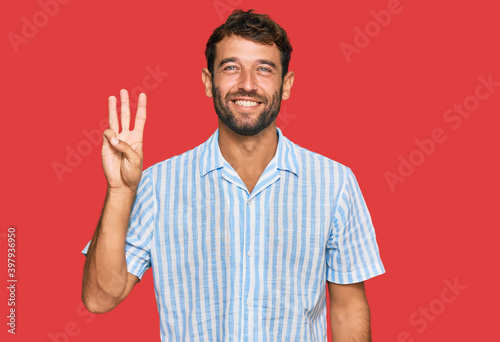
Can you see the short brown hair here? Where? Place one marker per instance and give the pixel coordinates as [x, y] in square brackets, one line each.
[256, 27]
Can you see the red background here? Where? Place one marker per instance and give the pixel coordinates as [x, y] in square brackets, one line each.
[438, 225]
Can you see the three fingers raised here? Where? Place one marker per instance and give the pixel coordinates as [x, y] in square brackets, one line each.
[140, 119]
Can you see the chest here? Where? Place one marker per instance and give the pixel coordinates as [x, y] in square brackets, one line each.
[219, 222]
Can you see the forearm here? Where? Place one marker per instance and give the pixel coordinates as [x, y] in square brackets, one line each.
[105, 270]
[351, 323]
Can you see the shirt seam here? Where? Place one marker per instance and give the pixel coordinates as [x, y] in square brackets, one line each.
[338, 199]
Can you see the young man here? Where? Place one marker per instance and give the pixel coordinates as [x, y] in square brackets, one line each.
[243, 231]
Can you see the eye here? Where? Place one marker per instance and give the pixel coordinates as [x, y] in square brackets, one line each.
[231, 67]
[265, 69]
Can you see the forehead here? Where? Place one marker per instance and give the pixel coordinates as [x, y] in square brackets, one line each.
[246, 50]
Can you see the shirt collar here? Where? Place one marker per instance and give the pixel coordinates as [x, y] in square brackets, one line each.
[284, 159]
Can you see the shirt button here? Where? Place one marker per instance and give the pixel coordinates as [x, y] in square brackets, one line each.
[250, 254]
[249, 302]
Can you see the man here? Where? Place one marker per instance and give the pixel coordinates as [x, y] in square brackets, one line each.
[243, 231]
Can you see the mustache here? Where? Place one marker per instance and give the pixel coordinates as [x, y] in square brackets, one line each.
[242, 93]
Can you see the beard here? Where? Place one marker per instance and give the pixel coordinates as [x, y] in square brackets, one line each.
[265, 118]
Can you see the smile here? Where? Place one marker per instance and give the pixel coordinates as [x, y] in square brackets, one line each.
[246, 103]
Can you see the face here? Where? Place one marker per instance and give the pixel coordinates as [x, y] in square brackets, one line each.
[247, 86]
[242, 117]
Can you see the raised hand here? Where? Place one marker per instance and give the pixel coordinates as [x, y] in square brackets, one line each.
[122, 151]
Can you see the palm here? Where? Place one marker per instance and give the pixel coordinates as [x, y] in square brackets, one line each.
[123, 169]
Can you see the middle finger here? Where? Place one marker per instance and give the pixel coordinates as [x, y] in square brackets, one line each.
[125, 110]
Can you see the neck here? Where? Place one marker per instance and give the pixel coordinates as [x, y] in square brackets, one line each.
[248, 155]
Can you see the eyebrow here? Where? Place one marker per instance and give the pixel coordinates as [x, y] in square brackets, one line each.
[228, 60]
[236, 59]
[265, 61]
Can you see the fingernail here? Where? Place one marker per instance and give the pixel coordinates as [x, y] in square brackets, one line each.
[114, 141]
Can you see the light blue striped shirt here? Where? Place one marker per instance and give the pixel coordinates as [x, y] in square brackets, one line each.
[229, 265]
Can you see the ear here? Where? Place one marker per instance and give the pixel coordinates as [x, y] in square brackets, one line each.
[287, 85]
[206, 77]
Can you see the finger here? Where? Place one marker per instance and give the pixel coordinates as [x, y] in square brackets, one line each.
[125, 110]
[108, 135]
[140, 117]
[113, 114]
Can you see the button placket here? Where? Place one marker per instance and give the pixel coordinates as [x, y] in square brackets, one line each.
[245, 265]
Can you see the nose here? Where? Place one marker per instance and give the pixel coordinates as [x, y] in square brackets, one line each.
[247, 81]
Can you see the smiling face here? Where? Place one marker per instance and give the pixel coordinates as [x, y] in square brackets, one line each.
[247, 86]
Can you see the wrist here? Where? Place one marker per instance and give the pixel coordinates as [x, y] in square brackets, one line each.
[119, 201]
[124, 192]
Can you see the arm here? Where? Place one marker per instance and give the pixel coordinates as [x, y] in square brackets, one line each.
[349, 313]
[106, 281]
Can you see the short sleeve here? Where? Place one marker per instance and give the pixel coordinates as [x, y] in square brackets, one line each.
[352, 253]
[140, 228]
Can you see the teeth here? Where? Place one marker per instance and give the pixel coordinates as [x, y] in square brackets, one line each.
[246, 103]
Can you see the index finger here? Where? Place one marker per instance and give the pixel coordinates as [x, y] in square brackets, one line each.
[140, 117]
[113, 115]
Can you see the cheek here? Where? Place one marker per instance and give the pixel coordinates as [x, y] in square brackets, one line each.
[269, 86]
[225, 81]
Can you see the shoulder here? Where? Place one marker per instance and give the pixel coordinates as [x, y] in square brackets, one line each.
[317, 172]
[310, 160]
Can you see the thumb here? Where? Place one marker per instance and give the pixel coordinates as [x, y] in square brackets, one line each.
[121, 146]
